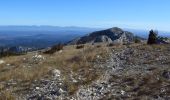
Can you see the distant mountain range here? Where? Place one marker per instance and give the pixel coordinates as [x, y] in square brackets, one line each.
[45, 36]
[45, 28]
[39, 36]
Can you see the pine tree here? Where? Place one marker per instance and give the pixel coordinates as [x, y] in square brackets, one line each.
[152, 37]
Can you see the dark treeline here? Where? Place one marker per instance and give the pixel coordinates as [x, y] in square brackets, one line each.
[12, 51]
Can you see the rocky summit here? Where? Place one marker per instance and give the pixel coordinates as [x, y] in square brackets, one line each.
[112, 35]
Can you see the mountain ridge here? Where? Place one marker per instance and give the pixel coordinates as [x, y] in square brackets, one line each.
[115, 35]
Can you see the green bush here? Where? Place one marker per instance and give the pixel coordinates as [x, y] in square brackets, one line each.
[137, 40]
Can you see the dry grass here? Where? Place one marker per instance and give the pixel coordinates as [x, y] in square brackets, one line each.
[142, 85]
[7, 95]
[70, 60]
[82, 65]
[154, 47]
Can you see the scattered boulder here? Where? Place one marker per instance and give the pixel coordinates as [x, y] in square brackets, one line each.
[38, 57]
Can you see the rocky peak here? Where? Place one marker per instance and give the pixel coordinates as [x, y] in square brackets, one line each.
[114, 34]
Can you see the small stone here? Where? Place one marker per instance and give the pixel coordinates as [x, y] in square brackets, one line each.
[98, 56]
[56, 72]
[29, 66]
[24, 59]
[61, 90]
[75, 81]
[37, 88]
[8, 64]
[109, 86]
[122, 92]
[60, 51]
[2, 61]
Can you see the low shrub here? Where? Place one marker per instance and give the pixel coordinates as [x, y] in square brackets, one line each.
[80, 46]
[136, 40]
[98, 46]
[54, 49]
[111, 44]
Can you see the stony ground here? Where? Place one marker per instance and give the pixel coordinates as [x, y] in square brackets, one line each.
[132, 73]
[98, 72]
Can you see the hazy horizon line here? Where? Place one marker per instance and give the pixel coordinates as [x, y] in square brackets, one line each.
[94, 27]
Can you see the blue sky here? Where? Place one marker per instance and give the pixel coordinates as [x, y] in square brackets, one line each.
[140, 14]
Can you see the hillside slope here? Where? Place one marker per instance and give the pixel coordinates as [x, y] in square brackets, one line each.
[95, 72]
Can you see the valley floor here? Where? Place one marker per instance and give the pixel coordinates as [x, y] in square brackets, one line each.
[95, 72]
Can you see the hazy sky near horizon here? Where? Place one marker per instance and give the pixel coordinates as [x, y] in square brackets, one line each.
[137, 14]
